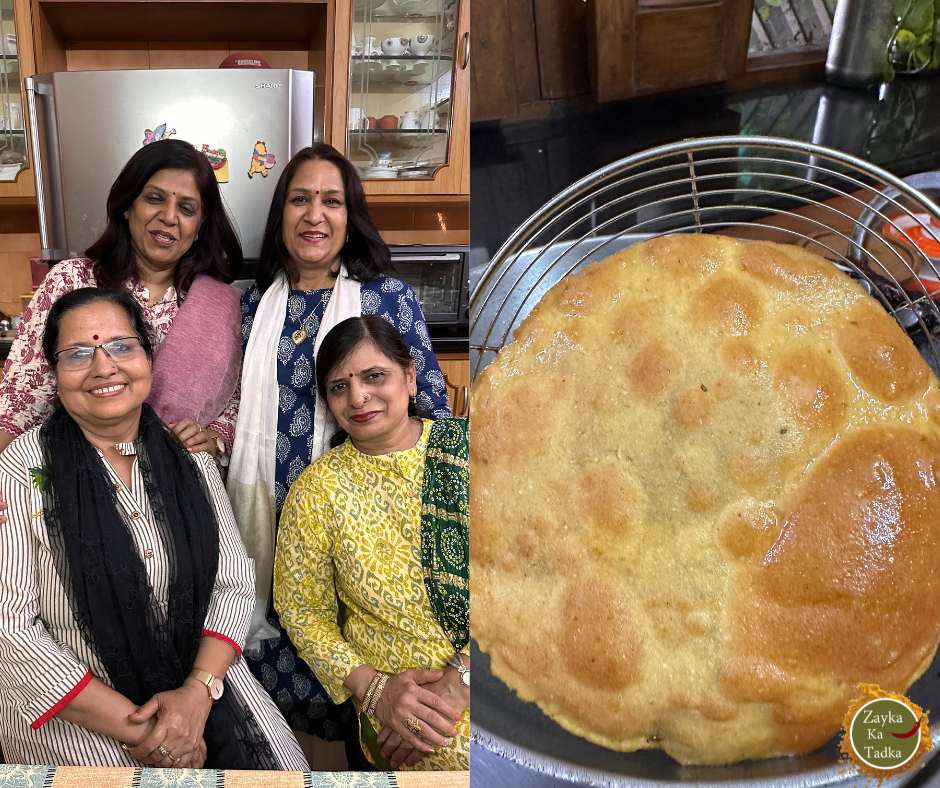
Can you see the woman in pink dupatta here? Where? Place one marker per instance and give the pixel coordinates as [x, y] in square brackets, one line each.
[170, 244]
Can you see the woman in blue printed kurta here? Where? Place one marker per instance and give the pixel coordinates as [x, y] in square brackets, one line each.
[305, 183]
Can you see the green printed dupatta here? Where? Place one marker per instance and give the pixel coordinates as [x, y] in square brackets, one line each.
[445, 527]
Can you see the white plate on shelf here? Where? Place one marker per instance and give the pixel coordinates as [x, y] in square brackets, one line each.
[408, 7]
[380, 172]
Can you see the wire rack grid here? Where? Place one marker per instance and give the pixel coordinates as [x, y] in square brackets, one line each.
[855, 214]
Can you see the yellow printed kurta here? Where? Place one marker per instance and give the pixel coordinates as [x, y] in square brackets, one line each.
[351, 525]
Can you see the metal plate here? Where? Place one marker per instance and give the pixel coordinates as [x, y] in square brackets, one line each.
[520, 732]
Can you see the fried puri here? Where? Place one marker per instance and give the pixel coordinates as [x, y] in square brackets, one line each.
[705, 501]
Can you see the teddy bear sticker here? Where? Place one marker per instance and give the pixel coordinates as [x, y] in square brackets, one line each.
[261, 160]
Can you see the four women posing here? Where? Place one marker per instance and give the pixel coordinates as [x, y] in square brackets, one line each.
[108, 551]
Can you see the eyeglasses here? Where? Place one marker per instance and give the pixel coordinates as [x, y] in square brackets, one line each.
[72, 359]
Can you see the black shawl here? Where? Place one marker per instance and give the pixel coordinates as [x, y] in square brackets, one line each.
[145, 645]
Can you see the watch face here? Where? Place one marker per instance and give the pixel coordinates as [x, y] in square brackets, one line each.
[465, 678]
[216, 689]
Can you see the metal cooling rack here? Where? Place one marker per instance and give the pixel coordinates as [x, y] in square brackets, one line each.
[750, 187]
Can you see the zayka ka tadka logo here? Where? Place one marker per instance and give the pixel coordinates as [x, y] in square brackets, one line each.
[885, 733]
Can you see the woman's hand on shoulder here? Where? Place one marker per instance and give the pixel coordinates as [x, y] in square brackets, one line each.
[195, 437]
[180, 721]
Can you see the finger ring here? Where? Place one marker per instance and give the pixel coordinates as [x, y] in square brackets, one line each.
[175, 760]
[164, 752]
[200, 427]
[412, 724]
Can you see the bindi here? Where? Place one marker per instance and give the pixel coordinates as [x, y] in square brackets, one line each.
[318, 191]
[350, 374]
[95, 336]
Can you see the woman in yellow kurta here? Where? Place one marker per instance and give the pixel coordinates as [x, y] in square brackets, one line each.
[382, 521]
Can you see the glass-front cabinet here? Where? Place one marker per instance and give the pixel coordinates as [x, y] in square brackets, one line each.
[12, 126]
[403, 60]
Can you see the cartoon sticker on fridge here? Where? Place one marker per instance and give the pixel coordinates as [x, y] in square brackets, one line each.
[157, 134]
[261, 160]
[218, 158]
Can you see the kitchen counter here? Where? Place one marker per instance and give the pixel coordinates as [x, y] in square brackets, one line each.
[518, 167]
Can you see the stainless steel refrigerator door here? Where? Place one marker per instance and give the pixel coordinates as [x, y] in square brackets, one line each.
[99, 118]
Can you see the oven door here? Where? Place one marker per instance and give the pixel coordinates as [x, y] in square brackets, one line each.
[438, 275]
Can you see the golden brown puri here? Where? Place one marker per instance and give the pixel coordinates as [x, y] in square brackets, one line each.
[705, 501]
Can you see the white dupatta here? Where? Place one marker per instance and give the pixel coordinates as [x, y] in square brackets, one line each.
[250, 482]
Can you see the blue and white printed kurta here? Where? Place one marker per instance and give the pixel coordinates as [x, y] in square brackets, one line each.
[283, 674]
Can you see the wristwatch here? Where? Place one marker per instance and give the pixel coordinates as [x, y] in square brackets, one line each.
[456, 662]
[222, 456]
[213, 684]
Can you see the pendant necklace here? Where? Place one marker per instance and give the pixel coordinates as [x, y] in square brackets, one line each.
[301, 333]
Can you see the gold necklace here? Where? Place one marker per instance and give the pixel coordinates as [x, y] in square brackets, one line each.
[301, 333]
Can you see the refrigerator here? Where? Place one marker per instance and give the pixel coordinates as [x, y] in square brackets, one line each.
[85, 125]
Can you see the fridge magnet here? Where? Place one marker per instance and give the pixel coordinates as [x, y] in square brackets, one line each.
[218, 158]
[261, 160]
[157, 134]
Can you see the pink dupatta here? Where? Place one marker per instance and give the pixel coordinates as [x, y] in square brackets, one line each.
[196, 367]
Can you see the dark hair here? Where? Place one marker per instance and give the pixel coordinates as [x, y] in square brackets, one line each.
[94, 295]
[365, 253]
[343, 339]
[113, 252]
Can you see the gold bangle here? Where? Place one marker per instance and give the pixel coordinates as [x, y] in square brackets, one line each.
[376, 695]
[367, 698]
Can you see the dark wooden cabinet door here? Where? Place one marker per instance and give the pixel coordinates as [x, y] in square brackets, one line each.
[650, 46]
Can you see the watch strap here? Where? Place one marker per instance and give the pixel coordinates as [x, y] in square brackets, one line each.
[456, 662]
[205, 677]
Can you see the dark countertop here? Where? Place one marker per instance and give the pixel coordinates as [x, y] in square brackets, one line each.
[516, 168]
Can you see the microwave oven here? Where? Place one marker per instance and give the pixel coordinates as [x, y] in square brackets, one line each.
[439, 275]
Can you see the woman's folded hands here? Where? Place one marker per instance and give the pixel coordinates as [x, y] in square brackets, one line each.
[422, 696]
[174, 737]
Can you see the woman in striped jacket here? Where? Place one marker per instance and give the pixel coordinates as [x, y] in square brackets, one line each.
[125, 590]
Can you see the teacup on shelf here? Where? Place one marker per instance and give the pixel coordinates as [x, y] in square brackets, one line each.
[430, 120]
[393, 47]
[409, 121]
[421, 45]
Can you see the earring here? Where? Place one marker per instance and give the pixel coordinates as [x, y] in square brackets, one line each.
[125, 214]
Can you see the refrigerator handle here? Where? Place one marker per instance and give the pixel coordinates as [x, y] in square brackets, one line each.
[35, 148]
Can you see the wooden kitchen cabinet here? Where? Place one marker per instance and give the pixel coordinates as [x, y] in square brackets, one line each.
[649, 46]
[454, 177]
[22, 189]
[530, 53]
[456, 369]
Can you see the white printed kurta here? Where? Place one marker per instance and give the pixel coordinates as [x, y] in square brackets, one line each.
[44, 660]
[28, 391]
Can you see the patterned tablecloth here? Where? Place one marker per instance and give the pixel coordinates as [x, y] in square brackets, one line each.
[13, 776]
